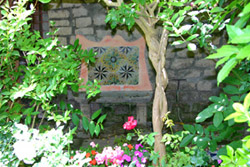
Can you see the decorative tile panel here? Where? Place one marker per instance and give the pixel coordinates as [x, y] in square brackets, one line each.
[115, 65]
[120, 65]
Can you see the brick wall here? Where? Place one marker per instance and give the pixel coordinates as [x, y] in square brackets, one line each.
[192, 78]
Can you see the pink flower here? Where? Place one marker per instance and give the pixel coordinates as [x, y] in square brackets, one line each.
[92, 144]
[138, 145]
[139, 154]
[131, 124]
[219, 161]
[125, 144]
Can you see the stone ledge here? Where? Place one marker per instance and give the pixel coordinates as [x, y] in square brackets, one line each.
[120, 97]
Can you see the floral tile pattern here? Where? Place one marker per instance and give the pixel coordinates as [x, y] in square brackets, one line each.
[115, 65]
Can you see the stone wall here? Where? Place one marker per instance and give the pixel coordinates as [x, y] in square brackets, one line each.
[192, 78]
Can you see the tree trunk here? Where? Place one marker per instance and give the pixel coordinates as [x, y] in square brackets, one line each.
[157, 50]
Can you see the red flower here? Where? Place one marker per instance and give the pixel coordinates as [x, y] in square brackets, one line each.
[71, 157]
[131, 124]
[87, 155]
[130, 147]
[93, 152]
[93, 162]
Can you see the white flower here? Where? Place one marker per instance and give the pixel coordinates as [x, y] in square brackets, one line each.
[24, 150]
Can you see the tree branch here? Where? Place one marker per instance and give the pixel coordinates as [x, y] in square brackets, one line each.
[114, 4]
[163, 46]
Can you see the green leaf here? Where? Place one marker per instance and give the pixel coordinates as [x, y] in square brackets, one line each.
[230, 151]
[239, 107]
[246, 9]
[234, 115]
[178, 42]
[97, 130]
[28, 120]
[191, 47]
[44, 1]
[85, 123]
[203, 115]
[96, 114]
[102, 118]
[233, 31]
[229, 89]
[241, 39]
[247, 102]
[192, 37]
[186, 140]
[244, 53]
[226, 50]
[62, 105]
[218, 118]
[226, 69]
[217, 9]
[75, 119]
[225, 159]
[199, 129]
[92, 128]
[241, 119]
[189, 128]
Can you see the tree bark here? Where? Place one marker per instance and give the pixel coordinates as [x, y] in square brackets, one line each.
[157, 50]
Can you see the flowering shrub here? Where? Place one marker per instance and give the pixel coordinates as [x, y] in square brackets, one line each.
[123, 156]
[39, 149]
[131, 124]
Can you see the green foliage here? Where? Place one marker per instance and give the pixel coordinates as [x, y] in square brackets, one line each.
[239, 156]
[7, 156]
[238, 45]
[37, 70]
[94, 127]
[125, 14]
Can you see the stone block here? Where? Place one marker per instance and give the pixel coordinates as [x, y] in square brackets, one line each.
[102, 33]
[209, 72]
[170, 53]
[78, 12]
[204, 95]
[63, 40]
[188, 96]
[198, 107]
[171, 96]
[99, 19]
[136, 34]
[188, 73]
[85, 108]
[205, 85]
[181, 53]
[141, 114]
[84, 31]
[61, 23]
[59, 14]
[205, 63]
[45, 26]
[83, 22]
[54, 6]
[187, 86]
[64, 31]
[72, 39]
[182, 63]
[172, 85]
[71, 5]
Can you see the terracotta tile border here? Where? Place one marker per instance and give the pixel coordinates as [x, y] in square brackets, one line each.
[144, 83]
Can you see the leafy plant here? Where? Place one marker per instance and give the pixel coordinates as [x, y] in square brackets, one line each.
[239, 156]
[37, 70]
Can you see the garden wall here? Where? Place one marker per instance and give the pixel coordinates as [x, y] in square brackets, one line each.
[192, 78]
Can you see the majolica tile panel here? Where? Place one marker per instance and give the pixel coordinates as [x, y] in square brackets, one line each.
[120, 65]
